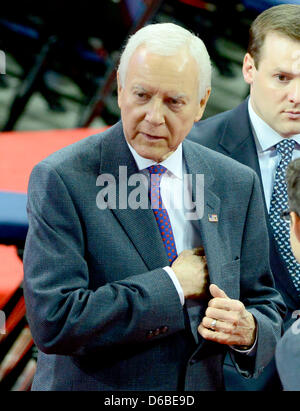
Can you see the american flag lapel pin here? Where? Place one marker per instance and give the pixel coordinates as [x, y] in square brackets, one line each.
[213, 218]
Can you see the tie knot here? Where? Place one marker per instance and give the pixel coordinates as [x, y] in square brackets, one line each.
[157, 169]
[285, 147]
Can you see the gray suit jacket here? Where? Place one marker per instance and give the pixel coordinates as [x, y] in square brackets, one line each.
[230, 133]
[102, 311]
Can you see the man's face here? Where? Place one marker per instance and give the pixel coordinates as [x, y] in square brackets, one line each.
[159, 102]
[275, 84]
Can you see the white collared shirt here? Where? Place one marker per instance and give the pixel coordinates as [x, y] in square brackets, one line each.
[265, 139]
[186, 232]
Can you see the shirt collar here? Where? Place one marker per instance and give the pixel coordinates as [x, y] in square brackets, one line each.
[266, 137]
[173, 163]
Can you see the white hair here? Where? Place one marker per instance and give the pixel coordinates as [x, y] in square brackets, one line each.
[166, 39]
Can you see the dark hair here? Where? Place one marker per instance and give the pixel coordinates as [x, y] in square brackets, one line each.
[293, 185]
[284, 19]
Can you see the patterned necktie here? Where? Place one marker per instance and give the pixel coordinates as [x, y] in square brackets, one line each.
[160, 213]
[279, 203]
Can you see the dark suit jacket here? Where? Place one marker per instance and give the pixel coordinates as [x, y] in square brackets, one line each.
[230, 133]
[102, 311]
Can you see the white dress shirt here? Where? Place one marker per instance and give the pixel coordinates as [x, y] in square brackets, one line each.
[265, 139]
[186, 232]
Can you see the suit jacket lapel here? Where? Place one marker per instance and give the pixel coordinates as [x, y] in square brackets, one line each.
[242, 147]
[196, 164]
[140, 224]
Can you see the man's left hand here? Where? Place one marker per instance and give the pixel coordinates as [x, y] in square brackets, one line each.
[227, 321]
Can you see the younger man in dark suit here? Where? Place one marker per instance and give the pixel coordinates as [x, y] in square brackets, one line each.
[264, 134]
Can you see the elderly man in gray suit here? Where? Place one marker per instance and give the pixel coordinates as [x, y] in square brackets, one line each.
[130, 289]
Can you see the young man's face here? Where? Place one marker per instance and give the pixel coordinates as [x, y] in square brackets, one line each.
[159, 102]
[275, 83]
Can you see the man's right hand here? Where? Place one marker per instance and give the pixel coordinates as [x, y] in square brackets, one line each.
[190, 268]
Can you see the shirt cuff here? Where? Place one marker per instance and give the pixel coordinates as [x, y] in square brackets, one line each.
[176, 283]
[250, 351]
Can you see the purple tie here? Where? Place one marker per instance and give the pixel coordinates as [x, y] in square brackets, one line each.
[160, 213]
